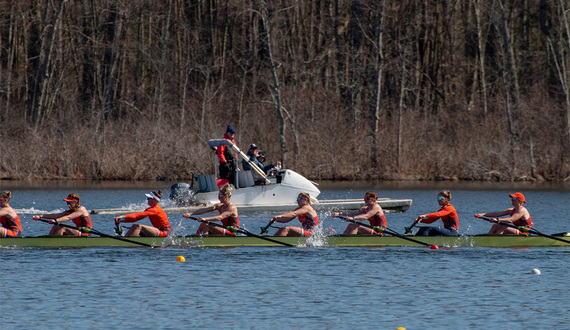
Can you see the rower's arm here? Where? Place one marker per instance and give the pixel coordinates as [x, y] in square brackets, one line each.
[69, 216]
[376, 209]
[231, 211]
[52, 215]
[286, 217]
[494, 214]
[201, 211]
[348, 213]
[512, 218]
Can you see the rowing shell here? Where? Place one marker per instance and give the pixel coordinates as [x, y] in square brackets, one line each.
[499, 241]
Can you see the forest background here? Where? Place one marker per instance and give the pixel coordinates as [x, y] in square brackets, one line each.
[335, 89]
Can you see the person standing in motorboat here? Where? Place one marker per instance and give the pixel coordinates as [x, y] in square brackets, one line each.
[158, 218]
[77, 213]
[9, 220]
[228, 215]
[227, 157]
[304, 212]
[371, 211]
[447, 214]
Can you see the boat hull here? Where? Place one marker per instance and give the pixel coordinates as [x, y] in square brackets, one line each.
[499, 241]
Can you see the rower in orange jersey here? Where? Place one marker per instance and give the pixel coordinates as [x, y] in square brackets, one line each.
[371, 211]
[9, 219]
[306, 215]
[76, 213]
[447, 214]
[228, 214]
[518, 215]
[160, 225]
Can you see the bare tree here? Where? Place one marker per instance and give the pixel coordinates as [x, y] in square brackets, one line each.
[275, 87]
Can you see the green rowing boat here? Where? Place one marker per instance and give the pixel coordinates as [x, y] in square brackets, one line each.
[499, 241]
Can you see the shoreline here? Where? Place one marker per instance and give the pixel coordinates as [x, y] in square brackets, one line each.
[65, 184]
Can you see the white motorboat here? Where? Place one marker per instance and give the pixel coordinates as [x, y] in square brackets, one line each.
[277, 191]
[280, 186]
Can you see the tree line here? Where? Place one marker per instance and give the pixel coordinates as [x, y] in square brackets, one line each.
[335, 89]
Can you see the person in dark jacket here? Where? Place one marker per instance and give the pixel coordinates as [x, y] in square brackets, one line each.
[228, 157]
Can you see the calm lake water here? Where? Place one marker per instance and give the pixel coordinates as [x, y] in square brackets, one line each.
[309, 288]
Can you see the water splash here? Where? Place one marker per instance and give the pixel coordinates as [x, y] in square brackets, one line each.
[172, 239]
[319, 237]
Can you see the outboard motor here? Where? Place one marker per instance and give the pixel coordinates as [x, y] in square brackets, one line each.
[182, 194]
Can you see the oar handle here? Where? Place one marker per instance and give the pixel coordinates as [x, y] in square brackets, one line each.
[409, 228]
[265, 230]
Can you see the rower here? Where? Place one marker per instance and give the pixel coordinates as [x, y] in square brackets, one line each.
[9, 219]
[228, 215]
[446, 213]
[518, 215]
[158, 218]
[76, 213]
[306, 215]
[371, 211]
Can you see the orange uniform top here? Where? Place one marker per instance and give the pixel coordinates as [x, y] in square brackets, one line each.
[83, 222]
[308, 223]
[447, 214]
[521, 222]
[378, 220]
[231, 220]
[11, 223]
[155, 214]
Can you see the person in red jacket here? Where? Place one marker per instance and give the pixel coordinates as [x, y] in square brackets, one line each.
[158, 219]
[9, 219]
[305, 213]
[371, 211]
[518, 215]
[228, 214]
[227, 157]
[446, 213]
[77, 213]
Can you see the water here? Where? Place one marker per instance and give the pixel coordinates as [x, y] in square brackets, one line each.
[309, 288]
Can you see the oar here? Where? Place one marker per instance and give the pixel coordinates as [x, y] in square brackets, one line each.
[118, 229]
[265, 230]
[96, 232]
[526, 230]
[389, 231]
[245, 232]
[409, 229]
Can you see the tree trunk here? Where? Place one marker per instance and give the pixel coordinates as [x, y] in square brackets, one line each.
[481, 47]
[378, 65]
[40, 92]
[275, 88]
